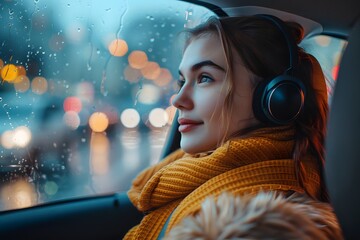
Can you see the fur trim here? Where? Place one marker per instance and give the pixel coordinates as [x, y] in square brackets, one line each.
[267, 215]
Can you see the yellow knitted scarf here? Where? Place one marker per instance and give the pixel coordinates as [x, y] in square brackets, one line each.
[246, 165]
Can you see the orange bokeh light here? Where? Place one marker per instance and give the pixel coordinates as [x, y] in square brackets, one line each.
[22, 84]
[132, 74]
[98, 122]
[118, 48]
[137, 59]
[151, 70]
[21, 70]
[164, 78]
[39, 85]
[9, 72]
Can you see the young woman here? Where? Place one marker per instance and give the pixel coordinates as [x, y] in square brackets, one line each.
[235, 135]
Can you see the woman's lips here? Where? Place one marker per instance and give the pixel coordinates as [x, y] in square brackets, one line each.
[186, 125]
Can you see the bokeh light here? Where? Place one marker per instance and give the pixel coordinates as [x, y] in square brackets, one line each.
[21, 70]
[21, 136]
[149, 94]
[137, 59]
[323, 40]
[7, 139]
[164, 77]
[99, 153]
[158, 117]
[22, 84]
[335, 72]
[85, 91]
[9, 72]
[19, 194]
[118, 48]
[132, 74]
[39, 85]
[71, 119]
[98, 122]
[130, 118]
[51, 188]
[151, 70]
[72, 104]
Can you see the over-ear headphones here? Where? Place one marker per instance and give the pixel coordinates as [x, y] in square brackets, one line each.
[280, 100]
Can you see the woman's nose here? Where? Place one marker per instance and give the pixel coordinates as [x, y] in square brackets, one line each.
[183, 99]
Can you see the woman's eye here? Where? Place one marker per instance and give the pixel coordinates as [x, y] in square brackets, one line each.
[180, 82]
[205, 79]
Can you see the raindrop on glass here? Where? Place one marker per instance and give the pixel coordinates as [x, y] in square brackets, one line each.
[152, 39]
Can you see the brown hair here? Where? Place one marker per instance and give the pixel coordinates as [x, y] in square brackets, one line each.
[264, 52]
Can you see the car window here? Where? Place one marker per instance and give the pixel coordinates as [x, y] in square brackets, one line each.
[328, 51]
[86, 89]
[85, 93]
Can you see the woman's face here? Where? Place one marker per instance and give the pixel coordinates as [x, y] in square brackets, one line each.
[201, 99]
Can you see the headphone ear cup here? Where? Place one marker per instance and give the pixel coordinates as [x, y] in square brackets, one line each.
[279, 101]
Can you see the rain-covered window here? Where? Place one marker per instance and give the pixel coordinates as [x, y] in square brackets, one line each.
[85, 93]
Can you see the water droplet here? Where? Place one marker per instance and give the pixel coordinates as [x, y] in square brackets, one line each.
[98, 51]
[11, 12]
[0, 99]
[55, 145]
[152, 39]
[78, 29]
[63, 167]
[83, 140]
[68, 4]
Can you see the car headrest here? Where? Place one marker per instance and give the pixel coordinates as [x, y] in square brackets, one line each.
[342, 167]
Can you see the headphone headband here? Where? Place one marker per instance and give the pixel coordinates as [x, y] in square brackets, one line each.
[290, 41]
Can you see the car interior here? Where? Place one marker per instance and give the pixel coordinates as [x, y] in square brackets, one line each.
[110, 216]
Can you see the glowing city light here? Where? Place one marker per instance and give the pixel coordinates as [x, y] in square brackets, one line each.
[323, 41]
[72, 104]
[21, 136]
[21, 70]
[99, 153]
[151, 70]
[132, 74]
[39, 85]
[71, 119]
[98, 122]
[149, 94]
[130, 118]
[7, 139]
[137, 59]
[22, 84]
[9, 72]
[85, 91]
[164, 77]
[118, 48]
[19, 194]
[158, 117]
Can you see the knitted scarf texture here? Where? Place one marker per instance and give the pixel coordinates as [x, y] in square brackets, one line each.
[262, 161]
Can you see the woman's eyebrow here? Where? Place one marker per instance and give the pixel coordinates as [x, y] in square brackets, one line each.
[209, 63]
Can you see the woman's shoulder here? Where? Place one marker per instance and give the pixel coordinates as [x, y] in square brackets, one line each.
[261, 215]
